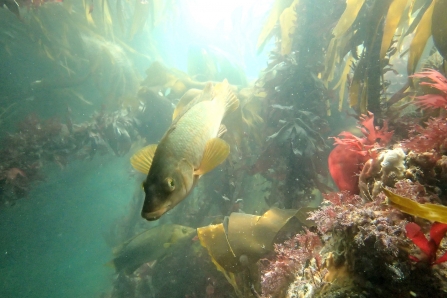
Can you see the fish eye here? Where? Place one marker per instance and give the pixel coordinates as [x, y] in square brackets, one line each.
[170, 185]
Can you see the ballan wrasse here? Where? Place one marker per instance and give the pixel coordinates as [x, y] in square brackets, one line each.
[190, 148]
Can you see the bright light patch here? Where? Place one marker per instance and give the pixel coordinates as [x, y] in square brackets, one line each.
[210, 12]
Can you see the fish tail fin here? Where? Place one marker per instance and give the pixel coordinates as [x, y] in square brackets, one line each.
[224, 93]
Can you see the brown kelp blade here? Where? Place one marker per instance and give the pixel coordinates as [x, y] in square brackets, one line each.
[214, 239]
[348, 17]
[439, 27]
[249, 235]
[253, 235]
[422, 34]
[395, 12]
[275, 12]
[427, 211]
[142, 11]
[287, 21]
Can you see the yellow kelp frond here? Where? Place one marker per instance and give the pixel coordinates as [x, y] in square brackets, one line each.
[120, 15]
[88, 13]
[395, 13]
[287, 20]
[229, 276]
[342, 82]
[348, 17]
[249, 235]
[416, 12]
[107, 18]
[253, 236]
[417, 46]
[173, 82]
[439, 27]
[356, 88]
[335, 49]
[427, 211]
[330, 60]
[214, 239]
[275, 12]
[140, 16]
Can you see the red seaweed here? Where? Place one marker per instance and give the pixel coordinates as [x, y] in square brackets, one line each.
[428, 247]
[435, 81]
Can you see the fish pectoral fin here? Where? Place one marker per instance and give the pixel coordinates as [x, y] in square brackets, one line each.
[216, 151]
[142, 160]
[222, 130]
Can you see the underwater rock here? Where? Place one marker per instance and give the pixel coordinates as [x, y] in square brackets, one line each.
[367, 254]
[386, 169]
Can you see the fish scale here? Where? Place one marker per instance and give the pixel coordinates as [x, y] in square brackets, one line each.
[193, 130]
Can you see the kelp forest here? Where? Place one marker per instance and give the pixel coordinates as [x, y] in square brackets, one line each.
[330, 163]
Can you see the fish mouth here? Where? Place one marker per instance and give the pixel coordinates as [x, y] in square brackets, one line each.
[150, 216]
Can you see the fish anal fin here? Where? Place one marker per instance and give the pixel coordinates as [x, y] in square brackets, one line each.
[216, 151]
[142, 160]
[222, 130]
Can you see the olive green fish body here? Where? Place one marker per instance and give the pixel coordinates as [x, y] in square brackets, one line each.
[150, 245]
[189, 149]
[187, 138]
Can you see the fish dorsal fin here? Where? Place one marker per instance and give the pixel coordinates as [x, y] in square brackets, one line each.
[142, 160]
[184, 101]
[222, 130]
[223, 92]
[190, 98]
[216, 151]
